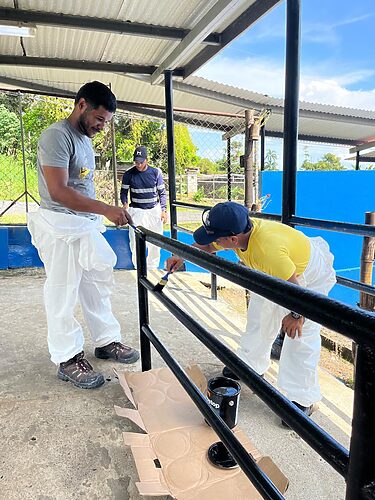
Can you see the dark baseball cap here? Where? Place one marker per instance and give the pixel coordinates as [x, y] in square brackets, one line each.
[224, 219]
[140, 154]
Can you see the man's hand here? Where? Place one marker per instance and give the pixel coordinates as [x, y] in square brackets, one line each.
[117, 215]
[164, 216]
[291, 326]
[173, 263]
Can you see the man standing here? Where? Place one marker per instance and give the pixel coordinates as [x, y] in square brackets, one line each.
[148, 202]
[283, 252]
[66, 230]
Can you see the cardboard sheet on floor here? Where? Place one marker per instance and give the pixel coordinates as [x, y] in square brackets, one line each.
[171, 458]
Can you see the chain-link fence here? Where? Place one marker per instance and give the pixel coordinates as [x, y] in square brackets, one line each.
[207, 161]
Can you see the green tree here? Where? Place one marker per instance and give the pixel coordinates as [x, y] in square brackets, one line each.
[270, 160]
[185, 149]
[40, 114]
[236, 150]
[9, 131]
[329, 161]
[206, 166]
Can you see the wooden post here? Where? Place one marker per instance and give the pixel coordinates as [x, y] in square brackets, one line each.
[248, 159]
[367, 301]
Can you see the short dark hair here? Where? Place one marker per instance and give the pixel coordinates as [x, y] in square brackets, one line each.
[97, 94]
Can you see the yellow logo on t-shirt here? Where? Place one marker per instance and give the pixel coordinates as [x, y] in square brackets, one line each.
[84, 172]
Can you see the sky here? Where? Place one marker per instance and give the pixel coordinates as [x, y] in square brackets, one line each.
[337, 54]
[337, 61]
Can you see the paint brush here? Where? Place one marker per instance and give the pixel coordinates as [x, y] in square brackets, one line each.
[163, 281]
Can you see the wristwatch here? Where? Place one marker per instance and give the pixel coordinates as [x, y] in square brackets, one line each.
[295, 315]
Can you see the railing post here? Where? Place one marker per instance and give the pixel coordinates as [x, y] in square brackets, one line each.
[143, 310]
[291, 106]
[361, 473]
[168, 83]
[213, 286]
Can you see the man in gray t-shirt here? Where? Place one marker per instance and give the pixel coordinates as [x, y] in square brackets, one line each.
[60, 145]
[67, 233]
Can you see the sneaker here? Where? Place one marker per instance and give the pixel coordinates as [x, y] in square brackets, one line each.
[307, 410]
[79, 371]
[117, 351]
[277, 346]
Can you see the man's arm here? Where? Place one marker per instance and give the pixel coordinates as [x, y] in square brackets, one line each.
[290, 325]
[175, 262]
[125, 185]
[57, 184]
[160, 186]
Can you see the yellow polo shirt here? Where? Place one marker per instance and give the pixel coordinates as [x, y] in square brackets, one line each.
[275, 249]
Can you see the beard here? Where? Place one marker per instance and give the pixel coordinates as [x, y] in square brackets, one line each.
[85, 127]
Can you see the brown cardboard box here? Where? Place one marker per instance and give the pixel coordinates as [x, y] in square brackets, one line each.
[171, 458]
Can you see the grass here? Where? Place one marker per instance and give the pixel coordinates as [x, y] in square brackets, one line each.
[12, 181]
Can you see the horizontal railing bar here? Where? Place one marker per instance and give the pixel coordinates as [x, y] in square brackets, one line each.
[182, 229]
[332, 451]
[341, 227]
[190, 205]
[357, 324]
[247, 463]
[356, 285]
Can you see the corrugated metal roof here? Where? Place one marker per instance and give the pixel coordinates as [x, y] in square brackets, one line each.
[78, 44]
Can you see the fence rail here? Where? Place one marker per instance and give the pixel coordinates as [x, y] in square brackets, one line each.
[356, 467]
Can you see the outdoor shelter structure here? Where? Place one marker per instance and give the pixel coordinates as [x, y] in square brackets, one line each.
[139, 45]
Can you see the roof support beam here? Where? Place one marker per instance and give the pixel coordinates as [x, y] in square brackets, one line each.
[248, 104]
[142, 109]
[362, 147]
[208, 23]
[98, 24]
[246, 19]
[43, 62]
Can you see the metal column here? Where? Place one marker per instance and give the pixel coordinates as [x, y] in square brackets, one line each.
[168, 83]
[262, 147]
[143, 309]
[23, 152]
[229, 171]
[291, 107]
[361, 474]
[357, 161]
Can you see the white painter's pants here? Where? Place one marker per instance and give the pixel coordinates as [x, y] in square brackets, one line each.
[150, 219]
[79, 265]
[298, 368]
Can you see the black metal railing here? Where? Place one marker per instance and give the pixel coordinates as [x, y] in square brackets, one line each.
[358, 467]
[326, 225]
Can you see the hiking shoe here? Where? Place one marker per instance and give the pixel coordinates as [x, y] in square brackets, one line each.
[277, 346]
[79, 371]
[307, 410]
[117, 351]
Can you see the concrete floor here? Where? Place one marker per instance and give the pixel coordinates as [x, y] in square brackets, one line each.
[62, 443]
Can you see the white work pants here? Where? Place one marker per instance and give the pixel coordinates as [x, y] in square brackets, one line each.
[150, 219]
[79, 265]
[298, 368]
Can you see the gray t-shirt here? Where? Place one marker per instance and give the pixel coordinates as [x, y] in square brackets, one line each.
[62, 146]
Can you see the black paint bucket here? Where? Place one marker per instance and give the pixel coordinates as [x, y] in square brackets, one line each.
[223, 395]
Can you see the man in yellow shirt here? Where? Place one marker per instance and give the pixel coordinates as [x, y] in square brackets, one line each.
[283, 252]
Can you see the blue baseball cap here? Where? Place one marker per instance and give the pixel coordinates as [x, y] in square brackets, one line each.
[224, 219]
[140, 154]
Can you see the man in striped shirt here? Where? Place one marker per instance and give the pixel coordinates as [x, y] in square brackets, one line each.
[148, 202]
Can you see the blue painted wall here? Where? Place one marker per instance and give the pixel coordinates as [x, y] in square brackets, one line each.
[336, 196]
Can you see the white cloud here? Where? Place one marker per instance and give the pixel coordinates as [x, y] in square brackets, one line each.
[267, 77]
